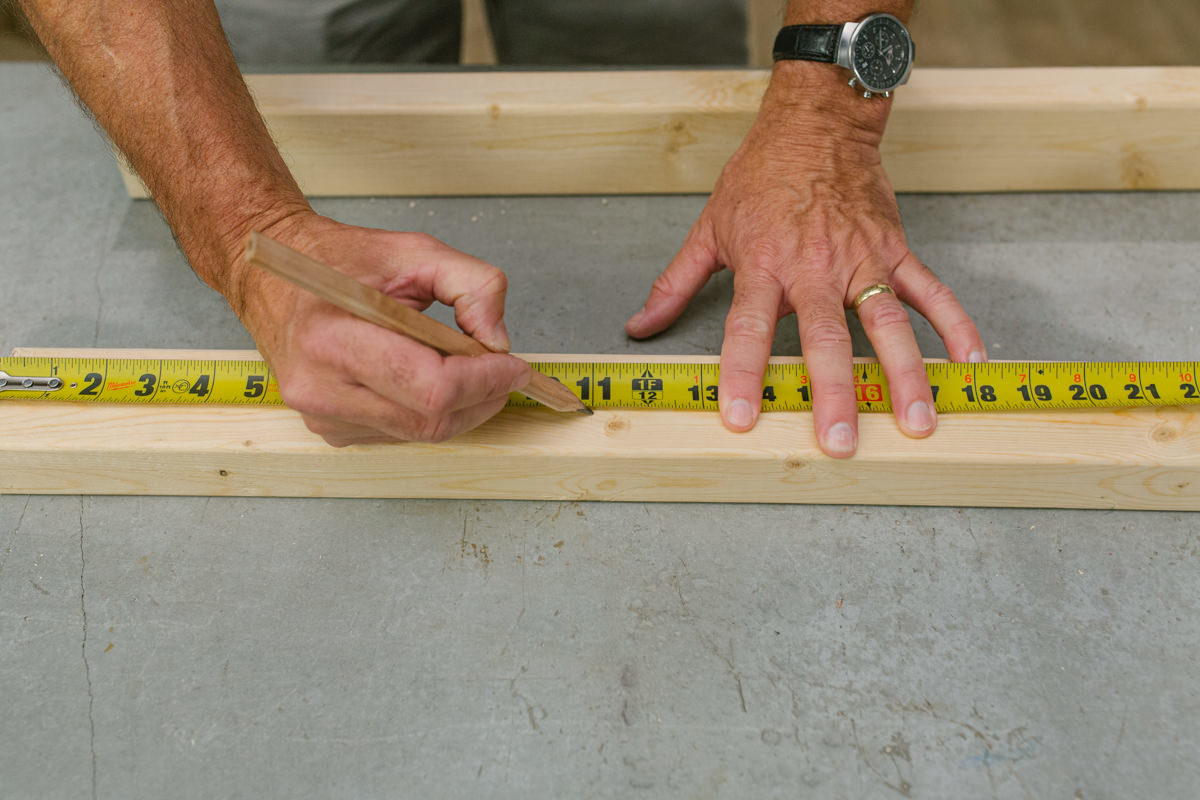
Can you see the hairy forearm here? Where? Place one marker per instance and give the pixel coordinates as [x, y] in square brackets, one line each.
[159, 77]
[815, 12]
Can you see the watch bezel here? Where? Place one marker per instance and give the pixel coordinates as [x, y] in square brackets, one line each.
[853, 41]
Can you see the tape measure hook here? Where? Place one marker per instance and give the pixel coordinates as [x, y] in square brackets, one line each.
[13, 383]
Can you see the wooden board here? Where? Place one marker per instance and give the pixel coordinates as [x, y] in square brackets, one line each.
[1137, 459]
[610, 132]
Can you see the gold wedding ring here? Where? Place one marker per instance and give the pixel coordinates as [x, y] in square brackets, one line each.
[869, 292]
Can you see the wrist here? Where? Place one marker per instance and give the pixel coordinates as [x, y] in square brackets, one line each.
[833, 54]
[815, 97]
[254, 295]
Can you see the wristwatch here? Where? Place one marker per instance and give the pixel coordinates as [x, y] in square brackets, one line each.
[877, 49]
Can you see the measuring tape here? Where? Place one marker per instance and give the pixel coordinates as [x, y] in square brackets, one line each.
[994, 386]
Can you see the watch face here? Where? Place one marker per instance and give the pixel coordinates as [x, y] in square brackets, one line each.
[881, 53]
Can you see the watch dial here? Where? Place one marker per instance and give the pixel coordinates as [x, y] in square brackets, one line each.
[880, 54]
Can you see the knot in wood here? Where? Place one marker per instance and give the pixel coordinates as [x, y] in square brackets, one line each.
[617, 425]
[1164, 433]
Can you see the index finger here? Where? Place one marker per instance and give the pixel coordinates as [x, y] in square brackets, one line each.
[476, 290]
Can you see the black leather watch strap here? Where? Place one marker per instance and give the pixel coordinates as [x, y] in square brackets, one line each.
[808, 42]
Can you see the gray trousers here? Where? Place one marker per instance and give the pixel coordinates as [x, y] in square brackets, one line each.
[526, 32]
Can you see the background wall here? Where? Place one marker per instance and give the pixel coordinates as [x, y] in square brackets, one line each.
[952, 33]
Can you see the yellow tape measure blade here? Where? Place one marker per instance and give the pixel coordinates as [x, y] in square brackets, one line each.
[675, 384]
[140, 380]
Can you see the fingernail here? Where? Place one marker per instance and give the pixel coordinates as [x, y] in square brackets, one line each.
[739, 414]
[920, 417]
[636, 319]
[500, 340]
[839, 439]
[977, 357]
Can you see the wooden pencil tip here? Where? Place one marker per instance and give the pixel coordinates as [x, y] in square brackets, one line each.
[587, 412]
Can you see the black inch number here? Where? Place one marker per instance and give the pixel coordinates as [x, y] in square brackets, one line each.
[1095, 391]
[1041, 391]
[94, 379]
[255, 386]
[200, 387]
[805, 395]
[1189, 391]
[605, 385]
[710, 393]
[769, 393]
[987, 393]
[148, 382]
[585, 388]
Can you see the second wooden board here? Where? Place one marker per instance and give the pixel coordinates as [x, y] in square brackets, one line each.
[610, 132]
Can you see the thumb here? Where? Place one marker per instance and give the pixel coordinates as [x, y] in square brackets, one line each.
[686, 275]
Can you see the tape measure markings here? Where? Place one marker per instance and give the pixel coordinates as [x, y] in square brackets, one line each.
[143, 380]
[676, 384]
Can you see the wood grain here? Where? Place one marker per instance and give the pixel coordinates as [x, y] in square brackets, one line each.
[1054, 129]
[1136, 459]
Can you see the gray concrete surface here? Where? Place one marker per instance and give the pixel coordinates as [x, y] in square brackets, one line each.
[168, 647]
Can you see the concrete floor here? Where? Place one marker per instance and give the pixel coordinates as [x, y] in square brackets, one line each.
[167, 647]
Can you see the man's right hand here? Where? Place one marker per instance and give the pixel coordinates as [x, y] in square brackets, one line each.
[355, 382]
[185, 120]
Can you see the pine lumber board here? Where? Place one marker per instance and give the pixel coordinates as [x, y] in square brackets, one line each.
[1131, 459]
[671, 131]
